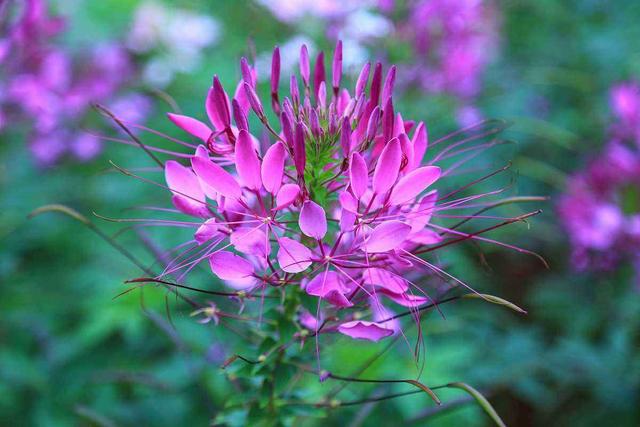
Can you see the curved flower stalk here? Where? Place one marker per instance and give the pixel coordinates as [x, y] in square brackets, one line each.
[600, 208]
[49, 89]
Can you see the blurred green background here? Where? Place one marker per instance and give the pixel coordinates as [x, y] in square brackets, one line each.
[70, 354]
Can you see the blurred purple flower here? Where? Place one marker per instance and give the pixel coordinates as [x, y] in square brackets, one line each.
[51, 91]
[601, 206]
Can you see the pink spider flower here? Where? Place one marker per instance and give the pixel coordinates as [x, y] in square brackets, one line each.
[337, 205]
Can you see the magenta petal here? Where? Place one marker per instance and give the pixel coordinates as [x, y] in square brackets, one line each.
[422, 213]
[207, 231]
[273, 167]
[420, 142]
[413, 183]
[229, 266]
[250, 241]
[188, 195]
[363, 330]
[347, 221]
[387, 167]
[247, 162]
[358, 174]
[348, 202]
[426, 237]
[288, 194]
[386, 236]
[384, 279]
[191, 126]
[313, 220]
[293, 256]
[216, 177]
[328, 285]
[404, 299]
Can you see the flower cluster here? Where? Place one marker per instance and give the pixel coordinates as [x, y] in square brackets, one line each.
[601, 207]
[337, 207]
[51, 90]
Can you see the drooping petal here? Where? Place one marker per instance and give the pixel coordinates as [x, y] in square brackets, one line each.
[384, 279]
[201, 151]
[207, 231]
[216, 177]
[288, 194]
[328, 285]
[386, 236]
[229, 266]
[273, 167]
[364, 330]
[421, 214]
[348, 202]
[247, 162]
[293, 256]
[250, 241]
[387, 167]
[347, 221]
[426, 237]
[413, 183]
[190, 125]
[405, 299]
[358, 174]
[313, 220]
[188, 196]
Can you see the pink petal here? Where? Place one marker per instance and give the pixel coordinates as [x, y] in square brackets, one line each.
[329, 286]
[288, 194]
[348, 202]
[247, 162]
[426, 237]
[313, 220]
[405, 300]
[363, 330]
[358, 174]
[420, 215]
[211, 111]
[386, 236]
[293, 256]
[347, 219]
[420, 142]
[201, 151]
[413, 183]
[191, 126]
[250, 241]
[216, 177]
[387, 167]
[207, 231]
[229, 266]
[273, 167]
[188, 195]
[384, 279]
